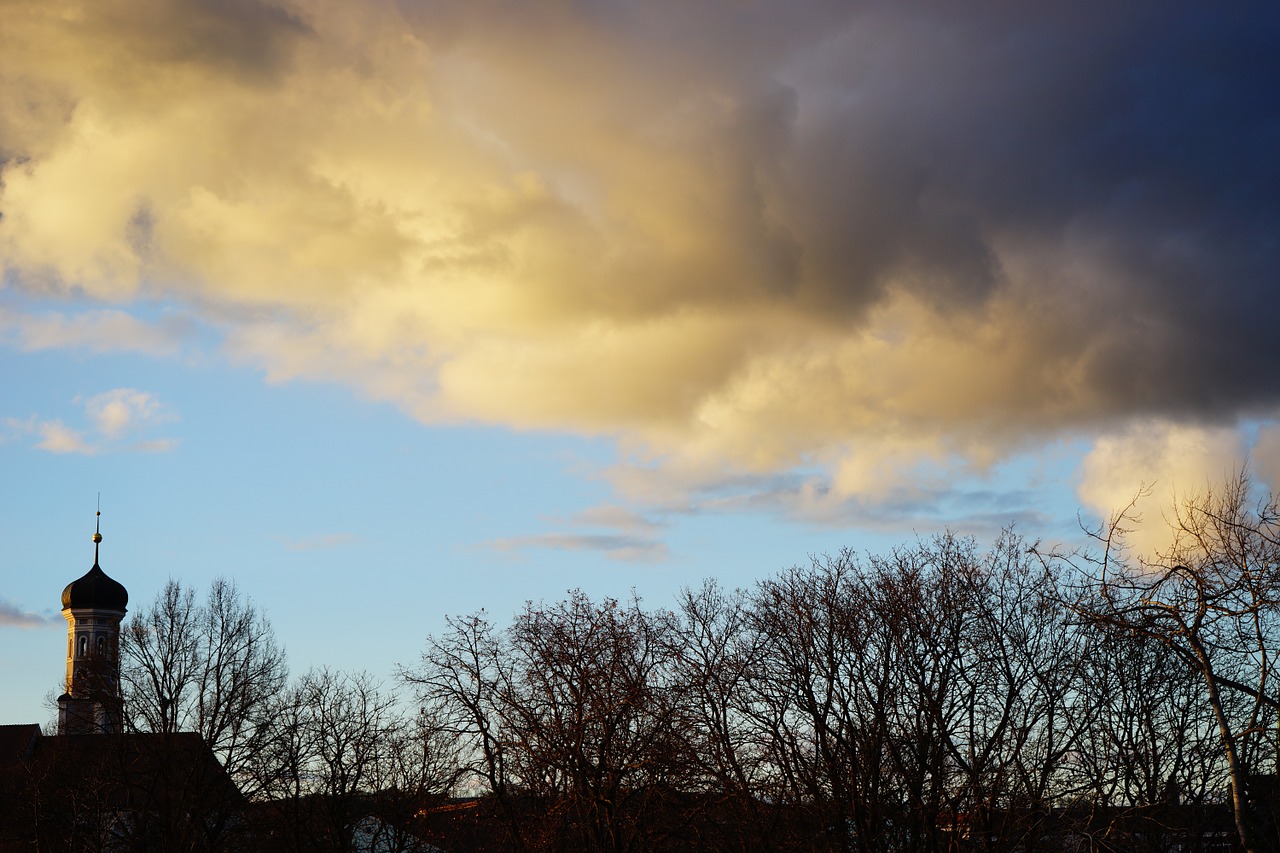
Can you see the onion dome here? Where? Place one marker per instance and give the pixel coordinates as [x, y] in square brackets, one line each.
[95, 590]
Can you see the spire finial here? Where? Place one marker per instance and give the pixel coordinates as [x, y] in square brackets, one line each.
[97, 536]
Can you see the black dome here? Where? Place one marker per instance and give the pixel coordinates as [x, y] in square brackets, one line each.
[95, 590]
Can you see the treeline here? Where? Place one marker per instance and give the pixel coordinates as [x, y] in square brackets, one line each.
[938, 698]
[941, 697]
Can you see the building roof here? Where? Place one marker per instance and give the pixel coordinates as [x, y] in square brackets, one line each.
[140, 769]
[95, 590]
[137, 791]
[17, 742]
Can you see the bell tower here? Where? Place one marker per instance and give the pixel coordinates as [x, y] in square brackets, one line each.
[93, 606]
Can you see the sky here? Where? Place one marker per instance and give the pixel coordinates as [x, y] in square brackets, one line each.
[391, 311]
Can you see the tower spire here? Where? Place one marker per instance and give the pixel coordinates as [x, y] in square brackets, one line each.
[93, 606]
[97, 522]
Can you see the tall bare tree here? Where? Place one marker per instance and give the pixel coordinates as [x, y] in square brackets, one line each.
[916, 698]
[343, 768]
[211, 666]
[714, 654]
[1212, 598]
[819, 697]
[573, 707]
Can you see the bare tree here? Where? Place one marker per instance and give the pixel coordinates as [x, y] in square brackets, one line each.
[339, 759]
[159, 660]
[458, 685]
[819, 696]
[1212, 598]
[572, 708]
[917, 698]
[212, 667]
[350, 725]
[1007, 670]
[242, 669]
[714, 654]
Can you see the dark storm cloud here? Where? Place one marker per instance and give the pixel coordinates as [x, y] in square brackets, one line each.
[1148, 131]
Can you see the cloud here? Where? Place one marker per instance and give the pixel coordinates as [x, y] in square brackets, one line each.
[613, 531]
[57, 437]
[121, 411]
[323, 542]
[918, 497]
[612, 546]
[859, 238]
[1265, 455]
[114, 418]
[1172, 460]
[616, 517]
[15, 617]
[158, 445]
[98, 331]
[15, 428]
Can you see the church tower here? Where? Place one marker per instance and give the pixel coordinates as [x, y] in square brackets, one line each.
[93, 606]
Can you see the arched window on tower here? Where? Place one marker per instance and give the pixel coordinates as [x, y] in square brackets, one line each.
[84, 646]
[102, 646]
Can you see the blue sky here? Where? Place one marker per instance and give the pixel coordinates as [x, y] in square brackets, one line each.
[390, 311]
[357, 528]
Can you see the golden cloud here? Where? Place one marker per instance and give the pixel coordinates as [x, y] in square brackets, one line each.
[795, 248]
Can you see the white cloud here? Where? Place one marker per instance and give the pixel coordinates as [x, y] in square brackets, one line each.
[113, 418]
[57, 437]
[1169, 459]
[17, 427]
[124, 410]
[102, 330]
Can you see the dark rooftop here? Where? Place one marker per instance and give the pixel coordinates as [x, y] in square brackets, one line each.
[95, 590]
